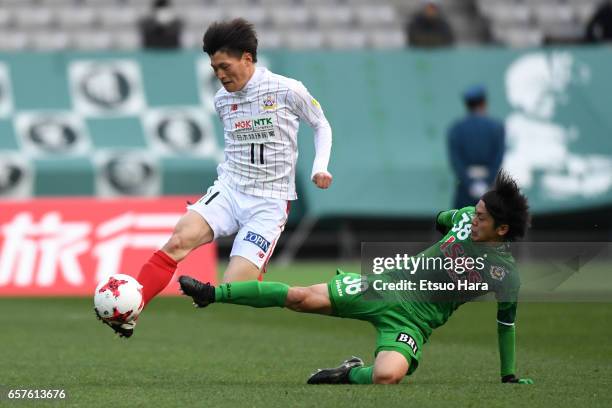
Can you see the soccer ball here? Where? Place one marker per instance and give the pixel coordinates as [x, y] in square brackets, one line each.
[118, 298]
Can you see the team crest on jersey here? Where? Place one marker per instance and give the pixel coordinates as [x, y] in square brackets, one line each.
[497, 272]
[269, 103]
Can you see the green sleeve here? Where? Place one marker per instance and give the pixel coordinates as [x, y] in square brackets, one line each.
[444, 221]
[506, 336]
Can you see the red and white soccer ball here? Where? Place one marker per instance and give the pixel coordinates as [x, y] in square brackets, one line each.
[118, 298]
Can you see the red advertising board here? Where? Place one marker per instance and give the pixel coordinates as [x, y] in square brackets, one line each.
[52, 247]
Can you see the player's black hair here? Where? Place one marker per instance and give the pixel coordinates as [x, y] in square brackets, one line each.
[234, 37]
[507, 205]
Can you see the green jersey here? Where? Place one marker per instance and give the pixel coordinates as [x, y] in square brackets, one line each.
[456, 270]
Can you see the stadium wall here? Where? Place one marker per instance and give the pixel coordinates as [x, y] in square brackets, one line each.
[143, 124]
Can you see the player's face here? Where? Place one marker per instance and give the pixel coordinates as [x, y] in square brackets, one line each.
[233, 72]
[483, 226]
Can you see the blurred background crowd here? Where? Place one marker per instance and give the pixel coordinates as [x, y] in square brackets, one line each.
[303, 24]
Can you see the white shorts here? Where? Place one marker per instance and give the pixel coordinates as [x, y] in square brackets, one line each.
[256, 221]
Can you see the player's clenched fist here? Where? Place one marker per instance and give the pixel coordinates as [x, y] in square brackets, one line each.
[322, 179]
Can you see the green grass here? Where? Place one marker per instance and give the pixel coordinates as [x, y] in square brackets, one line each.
[234, 356]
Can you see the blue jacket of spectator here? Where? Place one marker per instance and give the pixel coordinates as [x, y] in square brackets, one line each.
[476, 146]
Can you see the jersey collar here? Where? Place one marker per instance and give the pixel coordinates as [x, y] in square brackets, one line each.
[258, 75]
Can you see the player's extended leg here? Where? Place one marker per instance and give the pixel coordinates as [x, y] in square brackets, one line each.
[190, 232]
[311, 299]
[240, 269]
[389, 368]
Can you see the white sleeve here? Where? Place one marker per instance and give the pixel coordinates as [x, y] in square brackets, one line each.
[309, 109]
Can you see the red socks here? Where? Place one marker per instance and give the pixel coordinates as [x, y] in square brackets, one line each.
[156, 274]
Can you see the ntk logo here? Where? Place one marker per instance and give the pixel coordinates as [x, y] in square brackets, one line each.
[253, 124]
[258, 240]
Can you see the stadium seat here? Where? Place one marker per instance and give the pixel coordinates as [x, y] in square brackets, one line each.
[304, 39]
[191, 38]
[340, 15]
[13, 40]
[113, 17]
[519, 37]
[375, 15]
[292, 16]
[38, 17]
[346, 38]
[91, 40]
[201, 17]
[270, 38]
[552, 13]
[68, 17]
[49, 40]
[6, 17]
[387, 38]
[127, 39]
[509, 13]
[257, 15]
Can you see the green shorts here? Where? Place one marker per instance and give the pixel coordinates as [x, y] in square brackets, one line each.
[397, 328]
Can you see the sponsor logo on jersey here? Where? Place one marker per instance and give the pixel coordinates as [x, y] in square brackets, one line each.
[249, 130]
[497, 272]
[253, 124]
[409, 340]
[234, 107]
[269, 103]
[258, 240]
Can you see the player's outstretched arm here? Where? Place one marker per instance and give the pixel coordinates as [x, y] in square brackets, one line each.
[309, 109]
[506, 335]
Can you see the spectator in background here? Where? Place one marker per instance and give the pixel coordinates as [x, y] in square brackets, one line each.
[429, 27]
[162, 28]
[599, 28]
[476, 147]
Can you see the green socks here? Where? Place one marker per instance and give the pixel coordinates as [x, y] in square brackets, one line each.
[252, 293]
[361, 375]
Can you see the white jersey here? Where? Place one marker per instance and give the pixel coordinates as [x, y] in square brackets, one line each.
[260, 125]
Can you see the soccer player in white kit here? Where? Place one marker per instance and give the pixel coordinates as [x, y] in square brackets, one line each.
[260, 112]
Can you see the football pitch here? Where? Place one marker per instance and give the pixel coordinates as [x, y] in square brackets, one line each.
[233, 356]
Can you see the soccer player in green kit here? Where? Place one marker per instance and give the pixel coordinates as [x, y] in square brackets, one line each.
[404, 320]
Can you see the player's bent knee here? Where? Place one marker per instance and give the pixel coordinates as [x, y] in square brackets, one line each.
[387, 377]
[179, 245]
